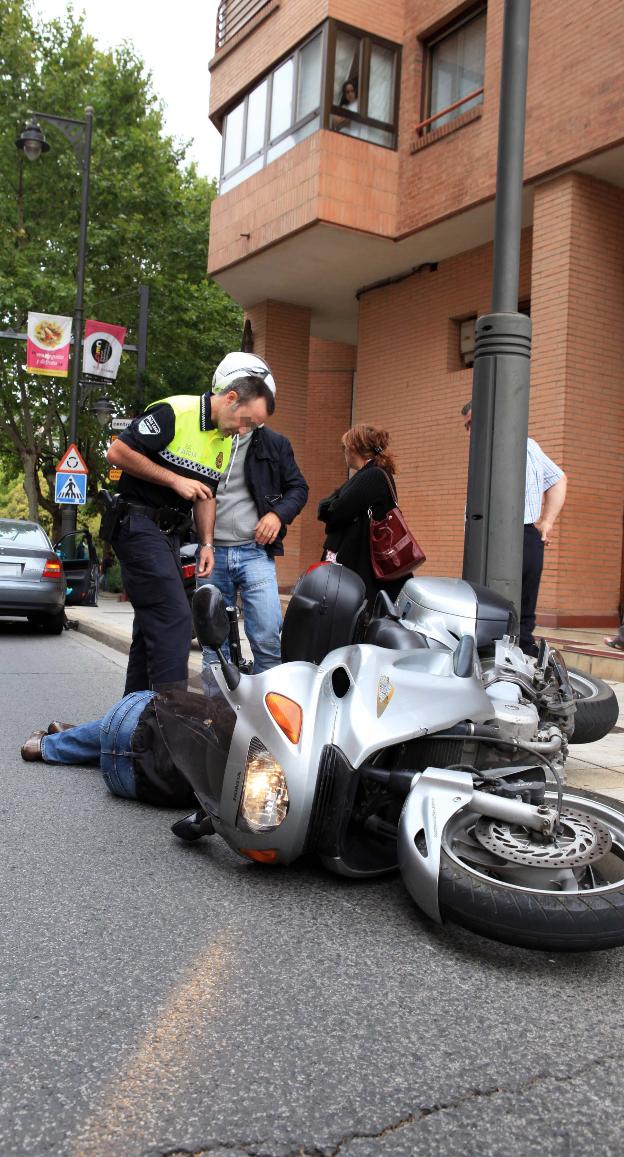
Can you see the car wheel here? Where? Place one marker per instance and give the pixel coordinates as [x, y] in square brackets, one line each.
[53, 624]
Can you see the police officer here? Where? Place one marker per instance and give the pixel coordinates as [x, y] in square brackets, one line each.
[172, 457]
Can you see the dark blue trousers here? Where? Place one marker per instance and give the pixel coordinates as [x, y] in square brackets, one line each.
[162, 629]
[532, 566]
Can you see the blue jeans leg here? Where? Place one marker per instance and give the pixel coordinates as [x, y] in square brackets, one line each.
[222, 578]
[249, 569]
[116, 731]
[80, 745]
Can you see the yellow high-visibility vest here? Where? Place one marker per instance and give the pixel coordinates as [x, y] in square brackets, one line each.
[205, 452]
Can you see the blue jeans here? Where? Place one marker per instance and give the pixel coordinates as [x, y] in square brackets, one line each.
[248, 569]
[107, 741]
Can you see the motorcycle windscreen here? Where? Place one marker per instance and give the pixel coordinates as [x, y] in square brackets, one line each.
[197, 724]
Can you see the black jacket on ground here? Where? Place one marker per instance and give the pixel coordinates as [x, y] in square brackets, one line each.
[345, 514]
[274, 480]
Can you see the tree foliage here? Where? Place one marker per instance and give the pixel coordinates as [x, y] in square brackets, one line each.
[148, 219]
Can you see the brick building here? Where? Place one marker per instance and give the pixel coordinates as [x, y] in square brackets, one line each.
[357, 234]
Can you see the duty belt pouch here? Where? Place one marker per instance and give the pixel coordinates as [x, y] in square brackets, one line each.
[112, 512]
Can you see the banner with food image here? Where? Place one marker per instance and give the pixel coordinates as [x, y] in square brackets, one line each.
[47, 344]
[103, 344]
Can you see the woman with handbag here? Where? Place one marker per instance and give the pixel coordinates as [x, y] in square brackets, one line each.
[367, 498]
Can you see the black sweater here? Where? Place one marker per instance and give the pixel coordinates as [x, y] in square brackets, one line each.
[345, 514]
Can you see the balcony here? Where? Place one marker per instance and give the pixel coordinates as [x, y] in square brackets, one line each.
[233, 15]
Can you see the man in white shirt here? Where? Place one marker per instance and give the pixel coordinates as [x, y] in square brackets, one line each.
[544, 497]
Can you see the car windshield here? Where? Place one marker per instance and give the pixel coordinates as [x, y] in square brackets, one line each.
[23, 534]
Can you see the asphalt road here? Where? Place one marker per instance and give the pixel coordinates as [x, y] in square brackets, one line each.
[159, 998]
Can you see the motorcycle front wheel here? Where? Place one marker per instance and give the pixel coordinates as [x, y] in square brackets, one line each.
[577, 908]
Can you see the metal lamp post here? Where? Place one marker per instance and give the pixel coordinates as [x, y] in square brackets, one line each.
[500, 399]
[33, 144]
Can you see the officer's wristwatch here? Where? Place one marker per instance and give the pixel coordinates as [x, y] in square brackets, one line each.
[203, 544]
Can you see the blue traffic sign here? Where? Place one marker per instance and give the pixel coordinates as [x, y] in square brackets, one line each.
[71, 489]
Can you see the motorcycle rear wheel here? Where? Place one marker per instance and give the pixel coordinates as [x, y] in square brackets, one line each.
[586, 920]
[597, 707]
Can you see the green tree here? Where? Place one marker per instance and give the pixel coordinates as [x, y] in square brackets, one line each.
[149, 217]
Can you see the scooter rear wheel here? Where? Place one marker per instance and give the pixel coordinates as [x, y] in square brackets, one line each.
[580, 909]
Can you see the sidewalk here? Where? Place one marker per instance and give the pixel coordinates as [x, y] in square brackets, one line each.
[595, 766]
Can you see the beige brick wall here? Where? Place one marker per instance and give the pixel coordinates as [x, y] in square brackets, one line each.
[577, 401]
[282, 336]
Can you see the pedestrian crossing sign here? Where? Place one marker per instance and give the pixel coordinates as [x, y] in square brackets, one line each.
[71, 488]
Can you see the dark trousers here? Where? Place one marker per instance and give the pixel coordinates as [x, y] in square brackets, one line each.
[162, 628]
[532, 564]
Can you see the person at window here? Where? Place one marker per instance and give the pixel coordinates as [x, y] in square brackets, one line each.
[348, 101]
[345, 512]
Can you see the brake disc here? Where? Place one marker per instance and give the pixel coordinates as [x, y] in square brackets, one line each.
[580, 840]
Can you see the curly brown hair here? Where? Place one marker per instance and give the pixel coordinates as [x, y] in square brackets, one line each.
[370, 442]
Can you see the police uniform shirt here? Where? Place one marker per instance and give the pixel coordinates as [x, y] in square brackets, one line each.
[150, 433]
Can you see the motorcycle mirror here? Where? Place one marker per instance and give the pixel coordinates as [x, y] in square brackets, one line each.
[210, 617]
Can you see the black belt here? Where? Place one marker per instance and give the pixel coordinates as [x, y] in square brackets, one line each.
[166, 518]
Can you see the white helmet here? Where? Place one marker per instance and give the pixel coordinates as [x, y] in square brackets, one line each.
[240, 365]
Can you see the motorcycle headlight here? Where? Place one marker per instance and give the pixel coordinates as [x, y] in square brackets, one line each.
[264, 800]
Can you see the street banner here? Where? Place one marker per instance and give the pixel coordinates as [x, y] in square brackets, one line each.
[102, 348]
[47, 344]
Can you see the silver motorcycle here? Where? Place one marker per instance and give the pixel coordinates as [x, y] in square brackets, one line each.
[421, 738]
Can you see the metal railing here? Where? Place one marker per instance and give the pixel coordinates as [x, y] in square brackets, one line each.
[449, 108]
[233, 15]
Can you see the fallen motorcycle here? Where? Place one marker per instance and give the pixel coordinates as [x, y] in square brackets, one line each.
[432, 744]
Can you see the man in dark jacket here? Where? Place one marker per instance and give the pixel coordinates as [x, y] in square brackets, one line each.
[261, 492]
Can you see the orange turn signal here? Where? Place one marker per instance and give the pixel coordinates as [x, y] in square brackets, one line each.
[286, 713]
[260, 855]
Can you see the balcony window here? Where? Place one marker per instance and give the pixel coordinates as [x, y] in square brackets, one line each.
[364, 78]
[306, 90]
[455, 62]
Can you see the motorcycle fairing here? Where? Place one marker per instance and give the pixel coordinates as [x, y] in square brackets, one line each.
[339, 700]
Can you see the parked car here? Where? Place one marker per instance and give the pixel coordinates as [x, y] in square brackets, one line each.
[81, 566]
[32, 580]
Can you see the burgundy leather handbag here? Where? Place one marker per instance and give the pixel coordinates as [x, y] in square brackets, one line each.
[393, 548]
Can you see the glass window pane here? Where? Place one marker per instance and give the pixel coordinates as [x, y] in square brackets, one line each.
[347, 70]
[457, 68]
[256, 119]
[309, 84]
[242, 174]
[233, 138]
[381, 84]
[375, 136]
[281, 102]
[293, 139]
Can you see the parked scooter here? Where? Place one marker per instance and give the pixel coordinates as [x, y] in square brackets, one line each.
[433, 744]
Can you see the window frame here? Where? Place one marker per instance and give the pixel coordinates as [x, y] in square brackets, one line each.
[429, 41]
[268, 141]
[366, 40]
[325, 110]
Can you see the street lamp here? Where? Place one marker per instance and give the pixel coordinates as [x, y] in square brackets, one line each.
[103, 410]
[33, 143]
